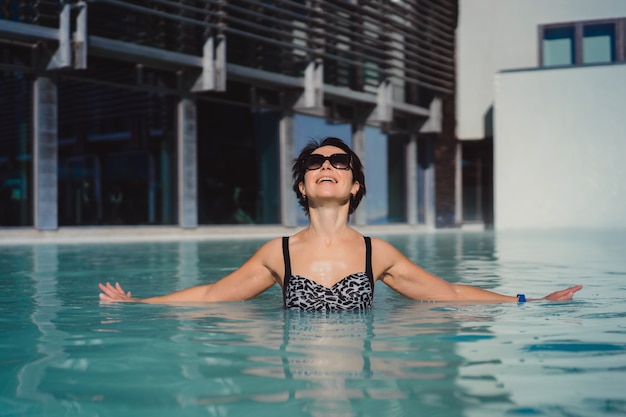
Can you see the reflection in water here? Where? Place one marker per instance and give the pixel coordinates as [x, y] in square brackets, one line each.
[45, 307]
[230, 354]
[333, 354]
[325, 351]
[322, 361]
[65, 353]
[188, 272]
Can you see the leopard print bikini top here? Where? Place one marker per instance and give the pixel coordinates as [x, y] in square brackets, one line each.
[354, 292]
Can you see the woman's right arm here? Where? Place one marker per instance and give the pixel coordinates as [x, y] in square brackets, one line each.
[255, 276]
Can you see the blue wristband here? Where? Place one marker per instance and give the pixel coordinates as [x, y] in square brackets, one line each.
[521, 298]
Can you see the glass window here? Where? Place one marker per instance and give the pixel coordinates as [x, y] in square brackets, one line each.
[425, 168]
[238, 164]
[375, 163]
[117, 155]
[598, 43]
[558, 46]
[477, 183]
[396, 178]
[267, 134]
[16, 205]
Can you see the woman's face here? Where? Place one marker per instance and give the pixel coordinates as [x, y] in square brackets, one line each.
[328, 174]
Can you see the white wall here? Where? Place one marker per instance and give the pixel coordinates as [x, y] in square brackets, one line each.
[560, 148]
[502, 34]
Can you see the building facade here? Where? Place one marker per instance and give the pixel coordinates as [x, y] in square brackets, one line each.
[190, 112]
[540, 109]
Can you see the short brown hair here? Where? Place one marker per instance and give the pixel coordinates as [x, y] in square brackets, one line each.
[298, 170]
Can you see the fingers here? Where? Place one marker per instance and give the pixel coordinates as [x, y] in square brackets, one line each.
[569, 292]
[105, 298]
[113, 293]
[108, 289]
[566, 294]
[121, 291]
[575, 288]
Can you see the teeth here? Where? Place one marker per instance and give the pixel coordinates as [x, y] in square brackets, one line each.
[326, 179]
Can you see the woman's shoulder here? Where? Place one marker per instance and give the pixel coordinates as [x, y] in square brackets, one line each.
[385, 257]
[380, 247]
[380, 243]
[270, 249]
[273, 244]
[269, 254]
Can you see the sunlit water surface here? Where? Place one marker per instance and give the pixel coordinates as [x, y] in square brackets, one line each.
[64, 354]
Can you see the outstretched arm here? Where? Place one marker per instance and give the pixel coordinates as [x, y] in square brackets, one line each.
[251, 279]
[115, 293]
[408, 279]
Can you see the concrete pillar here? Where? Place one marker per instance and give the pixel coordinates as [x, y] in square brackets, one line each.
[430, 211]
[286, 151]
[458, 184]
[45, 182]
[187, 163]
[411, 180]
[358, 146]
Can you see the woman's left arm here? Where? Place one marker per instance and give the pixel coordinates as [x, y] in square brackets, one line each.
[408, 279]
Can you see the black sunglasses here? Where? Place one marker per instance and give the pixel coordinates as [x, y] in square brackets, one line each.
[337, 160]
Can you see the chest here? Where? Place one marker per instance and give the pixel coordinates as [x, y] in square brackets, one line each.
[328, 265]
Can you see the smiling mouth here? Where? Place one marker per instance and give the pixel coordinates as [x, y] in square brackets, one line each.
[326, 179]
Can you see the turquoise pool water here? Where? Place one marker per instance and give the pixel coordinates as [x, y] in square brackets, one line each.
[64, 354]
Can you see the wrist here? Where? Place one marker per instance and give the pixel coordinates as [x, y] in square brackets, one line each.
[521, 298]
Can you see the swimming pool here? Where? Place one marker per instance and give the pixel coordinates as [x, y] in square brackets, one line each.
[64, 354]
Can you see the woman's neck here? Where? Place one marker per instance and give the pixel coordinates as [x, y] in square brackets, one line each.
[328, 223]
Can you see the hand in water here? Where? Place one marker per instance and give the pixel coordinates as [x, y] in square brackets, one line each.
[114, 294]
[566, 294]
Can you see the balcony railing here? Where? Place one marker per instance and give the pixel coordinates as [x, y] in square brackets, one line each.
[361, 42]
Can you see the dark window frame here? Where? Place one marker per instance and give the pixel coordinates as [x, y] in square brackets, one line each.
[619, 25]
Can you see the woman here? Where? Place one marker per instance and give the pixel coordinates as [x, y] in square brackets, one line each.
[327, 265]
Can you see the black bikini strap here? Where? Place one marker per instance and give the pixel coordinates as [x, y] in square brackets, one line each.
[368, 261]
[287, 261]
